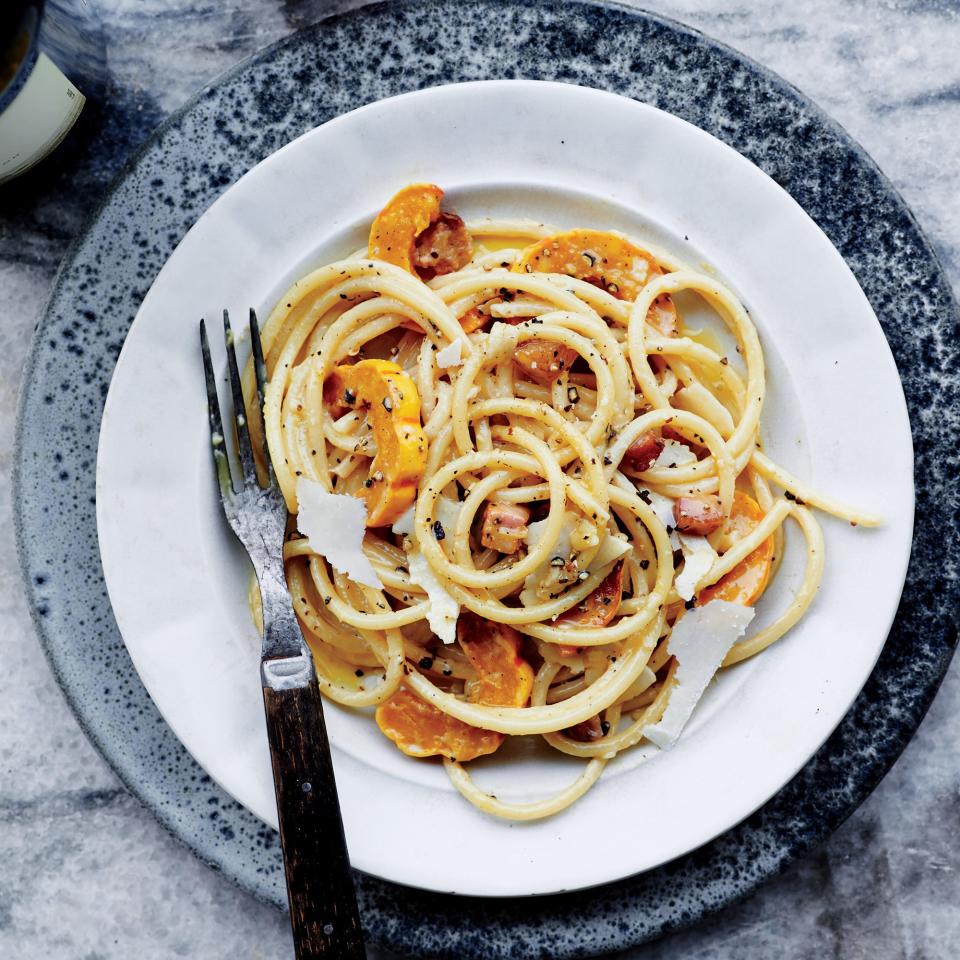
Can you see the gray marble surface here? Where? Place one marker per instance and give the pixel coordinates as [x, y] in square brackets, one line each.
[86, 873]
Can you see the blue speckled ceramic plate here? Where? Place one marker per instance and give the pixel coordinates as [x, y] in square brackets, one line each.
[338, 65]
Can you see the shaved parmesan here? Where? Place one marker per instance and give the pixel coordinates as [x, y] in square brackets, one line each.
[538, 584]
[663, 507]
[611, 548]
[674, 454]
[562, 547]
[447, 511]
[443, 610]
[700, 640]
[404, 523]
[585, 536]
[334, 524]
[698, 558]
[449, 356]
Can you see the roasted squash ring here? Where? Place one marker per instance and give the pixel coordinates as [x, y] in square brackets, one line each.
[419, 729]
[395, 231]
[393, 405]
[606, 260]
[504, 678]
[748, 579]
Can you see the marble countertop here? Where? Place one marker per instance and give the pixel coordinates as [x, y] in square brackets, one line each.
[87, 872]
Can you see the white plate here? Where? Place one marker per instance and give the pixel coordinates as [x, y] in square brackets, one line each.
[571, 156]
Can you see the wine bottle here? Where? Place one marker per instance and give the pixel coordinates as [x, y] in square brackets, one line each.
[52, 73]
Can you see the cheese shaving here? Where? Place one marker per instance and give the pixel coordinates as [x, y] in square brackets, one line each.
[663, 508]
[404, 523]
[334, 524]
[700, 640]
[446, 512]
[674, 454]
[537, 585]
[698, 558]
[449, 356]
[610, 549]
[443, 610]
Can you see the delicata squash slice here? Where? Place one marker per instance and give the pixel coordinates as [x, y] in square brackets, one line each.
[419, 729]
[412, 232]
[393, 234]
[504, 678]
[748, 579]
[606, 260]
[393, 407]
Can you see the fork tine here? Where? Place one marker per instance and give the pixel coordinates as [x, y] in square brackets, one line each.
[259, 366]
[260, 373]
[217, 441]
[244, 447]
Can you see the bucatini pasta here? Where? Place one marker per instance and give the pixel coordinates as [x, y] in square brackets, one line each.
[556, 474]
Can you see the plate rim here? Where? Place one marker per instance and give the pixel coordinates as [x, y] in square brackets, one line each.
[714, 897]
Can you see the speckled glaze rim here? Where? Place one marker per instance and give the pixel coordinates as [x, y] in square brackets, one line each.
[846, 186]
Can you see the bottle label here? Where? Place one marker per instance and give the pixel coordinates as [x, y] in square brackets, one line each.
[40, 116]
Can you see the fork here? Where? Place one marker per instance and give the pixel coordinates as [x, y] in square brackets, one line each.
[320, 891]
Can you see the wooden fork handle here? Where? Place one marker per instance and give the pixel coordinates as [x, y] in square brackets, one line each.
[323, 905]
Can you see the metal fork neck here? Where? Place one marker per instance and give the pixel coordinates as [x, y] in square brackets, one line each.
[288, 673]
[282, 637]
